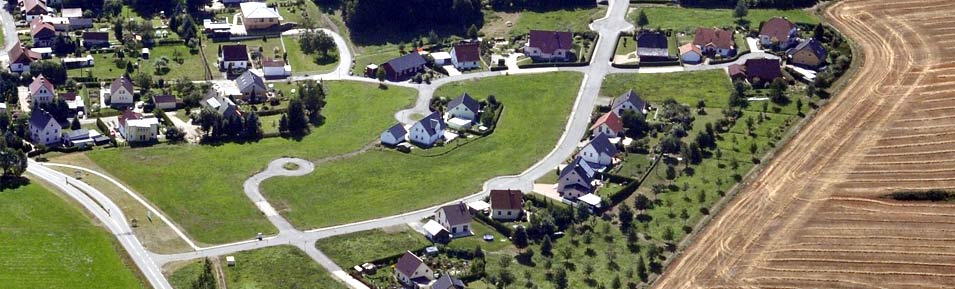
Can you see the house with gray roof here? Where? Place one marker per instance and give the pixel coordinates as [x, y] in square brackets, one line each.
[809, 53]
[456, 219]
[599, 152]
[427, 131]
[252, 87]
[220, 103]
[395, 135]
[628, 101]
[44, 129]
[448, 282]
[653, 46]
[404, 67]
[575, 180]
[464, 107]
[411, 271]
[121, 92]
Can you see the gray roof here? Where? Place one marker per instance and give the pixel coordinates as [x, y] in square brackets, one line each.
[77, 134]
[651, 39]
[122, 81]
[429, 122]
[631, 97]
[601, 144]
[407, 61]
[456, 214]
[235, 52]
[40, 118]
[813, 45]
[398, 131]
[468, 102]
[448, 282]
[575, 166]
[408, 263]
[249, 82]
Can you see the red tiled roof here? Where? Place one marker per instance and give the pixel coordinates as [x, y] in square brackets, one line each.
[611, 119]
[467, 52]
[41, 29]
[777, 28]
[507, 199]
[20, 54]
[717, 37]
[550, 41]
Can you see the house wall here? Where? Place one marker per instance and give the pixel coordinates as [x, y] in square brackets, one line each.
[620, 109]
[140, 134]
[536, 53]
[462, 112]
[589, 154]
[388, 139]
[42, 42]
[259, 23]
[806, 58]
[422, 271]
[49, 134]
[42, 95]
[166, 106]
[19, 68]
[499, 214]
[121, 96]
[604, 129]
[274, 71]
[234, 64]
[421, 136]
[691, 58]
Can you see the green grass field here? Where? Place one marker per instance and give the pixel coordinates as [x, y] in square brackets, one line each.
[283, 267]
[47, 242]
[377, 54]
[308, 63]
[192, 66]
[576, 20]
[713, 86]
[688, 19]
[205, 197]
[211, 51]
[357, 248]
[386, 182]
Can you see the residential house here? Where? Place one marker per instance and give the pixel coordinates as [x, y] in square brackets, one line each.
[136, 128]
[599, 152]
[60, 24]
[80, 23]
[714, 41]
[41, 90]
[252, 86]
[628, 101]
[78, 62]
[448, 282]
[220, 103]
[121, 92]
[33, 9]
[233, 57]
[404, 67]
[653, 46]
[165, 102]
[550, 45]
[274, 68]
[92, 40]
[21, 58]
[576, 179]
[778, 34]
[809, 53]
[43, 34]
[507, 205]
[44, 129]
[609, 124]
[464, 107]
[258, 15]
[758, 71]
[456, 219]
[427, 131]
[466, 55]
[3, 108]
[436, 233]
[441, 58]
[412, 271]
[394, 135]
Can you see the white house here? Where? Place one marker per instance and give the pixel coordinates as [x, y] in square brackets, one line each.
[412, 271]
[275, 68]
[234, 57]
[507, 204]
[464, 107]
[628, 101]
[691, 54]
[466, 55]
[136, 128]
[778, 33]
[120, 92]
[258, 15]
[549, 45]
[456, 219]
[576, 179]
[427, 131]
[20, 58]
[599, 151]
[609, 124]
[41, 90]
[394, 135]
[716, 41]
[43, 128]
[441, 58]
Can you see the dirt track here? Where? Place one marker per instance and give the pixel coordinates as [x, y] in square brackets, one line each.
[812, 218]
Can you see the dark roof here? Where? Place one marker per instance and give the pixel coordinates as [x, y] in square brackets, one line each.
[631, 97]
[398, 131]
[447, 282]
[777, 28]
[468, 102]
[736, 70]
[763, 68]
[250, 80]
[429, 122]
[467, 51]
[611, 119]
[97, 36]
[40, 118]
[456, 214]
[651, 39]
[20, 54]
[813, 45]
[718, 37]
[41, 29]
[164, 98]
[235, 52]
[77, 134]
[408, 263]
[123, 82]
[507, 199]
[34, 7]
[550, 41]
[576, 166]
[129, 114]
[407, 61]
[69, 95]
[601, 144]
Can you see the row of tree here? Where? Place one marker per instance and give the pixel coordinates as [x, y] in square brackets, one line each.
[538, 4]
[370, 15]
[752, 3]
[304, 109]
[233, 127]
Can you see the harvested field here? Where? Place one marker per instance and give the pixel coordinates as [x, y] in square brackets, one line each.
[815, 216]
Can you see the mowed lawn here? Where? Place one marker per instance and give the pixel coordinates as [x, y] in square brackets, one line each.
[200, 187]
[313, 63]
[713, 86]
[688, 19]
[46, 242]
[357, 248]
[576, 20]
[282, 267]
[385, 182]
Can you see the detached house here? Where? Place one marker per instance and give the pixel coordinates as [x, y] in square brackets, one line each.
[21, 58]
[274, 68]
[507, 204]
[258, 15]
[33, 9]
[43, 34]
[549, 45]
[93, 40]
[464, 107]
[599, 152]
[448, 282]
[715, 41]
[427, 131]
[220, 104]
[41, 90]
[43, 128]
[412, 271]
[628, 101]
[136, 128]
[121, 93]
[404, 67]
[653, 46]
[165, 102]
[810, 53]
[691, 54]
[576, 179]
[609, 124]
[759, 71]
[778, 34]
[233, 56]
[466, 55]
[456, 219]
[394, 135]
[252, 86]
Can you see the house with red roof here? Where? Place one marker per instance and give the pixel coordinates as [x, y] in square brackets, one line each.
[411, 271]
[466, 55]
[550, 45]
[715, 41]
[507, 205]
[20, 58]
[759, 71]
[778, 34]
[33, 9]
[609, 124]
[41, 90]
[43, 33]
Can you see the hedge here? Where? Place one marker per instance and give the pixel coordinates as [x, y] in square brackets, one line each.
[675, 62]
[497, 117]
[500, 228]
[498, 68]
[159, 113]
[272, 111]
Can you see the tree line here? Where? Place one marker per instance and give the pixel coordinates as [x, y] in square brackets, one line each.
[753, 3]
[370, 15]
[538, 4]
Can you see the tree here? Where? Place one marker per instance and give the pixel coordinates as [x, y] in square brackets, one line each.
[381, 75]
[819, 32]
[696, 155]
[777, 91]
[641, 270]
[313, 98]
[635, 123]
[560, 278]
[642, 19]
[670, 173]
[206, 279]
[546, 246]
[174, 134]
[520, 237]
[253, 128]
[75, 124]
[641, 202]
[625, 214]
[473, 32]
[742, 9]
[297, 119]
[118, 29]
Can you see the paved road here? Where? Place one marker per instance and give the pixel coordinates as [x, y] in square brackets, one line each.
[9, 34]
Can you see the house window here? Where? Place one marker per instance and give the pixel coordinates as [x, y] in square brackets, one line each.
[498, 213]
